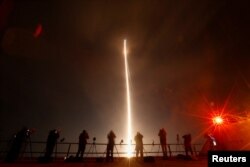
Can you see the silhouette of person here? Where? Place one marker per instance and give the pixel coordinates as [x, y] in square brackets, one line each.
[187, 144]
[51, 142]
[110, 146]
[83, 137]
[163, 141]
[17, 144]
[139, 144]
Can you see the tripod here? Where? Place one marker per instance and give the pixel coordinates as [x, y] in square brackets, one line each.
[27, 142]
[92, 149]
[117, 151]
[178, 144]
[20, 140]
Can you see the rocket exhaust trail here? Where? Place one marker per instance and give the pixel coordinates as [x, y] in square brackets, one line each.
[129, 130]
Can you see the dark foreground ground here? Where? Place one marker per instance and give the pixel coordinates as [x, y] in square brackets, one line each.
[119, 162]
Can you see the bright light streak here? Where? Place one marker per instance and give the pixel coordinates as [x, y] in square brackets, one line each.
[129, 130]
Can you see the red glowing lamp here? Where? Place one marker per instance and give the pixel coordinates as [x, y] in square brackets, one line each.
[218, 120]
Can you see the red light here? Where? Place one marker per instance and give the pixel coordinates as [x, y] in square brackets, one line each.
[38, 31]
[218, 120]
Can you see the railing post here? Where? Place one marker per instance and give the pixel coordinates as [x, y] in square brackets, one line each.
[170, 152]
[68, 150]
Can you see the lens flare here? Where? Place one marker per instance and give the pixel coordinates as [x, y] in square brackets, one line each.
[129, 130]
[218, 120]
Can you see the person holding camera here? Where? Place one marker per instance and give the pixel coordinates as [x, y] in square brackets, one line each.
[139, 144]
[51, 143]
[163, 141]
[83, 137]
[110, 146]
[187, 144]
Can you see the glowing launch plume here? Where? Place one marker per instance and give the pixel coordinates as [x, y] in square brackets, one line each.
[129, 135]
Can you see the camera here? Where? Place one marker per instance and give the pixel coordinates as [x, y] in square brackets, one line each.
[28, 133]
[94, 139]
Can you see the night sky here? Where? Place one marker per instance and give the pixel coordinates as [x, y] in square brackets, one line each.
[186, 58]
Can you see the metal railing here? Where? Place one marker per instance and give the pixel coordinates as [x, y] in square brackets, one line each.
[34, 149]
